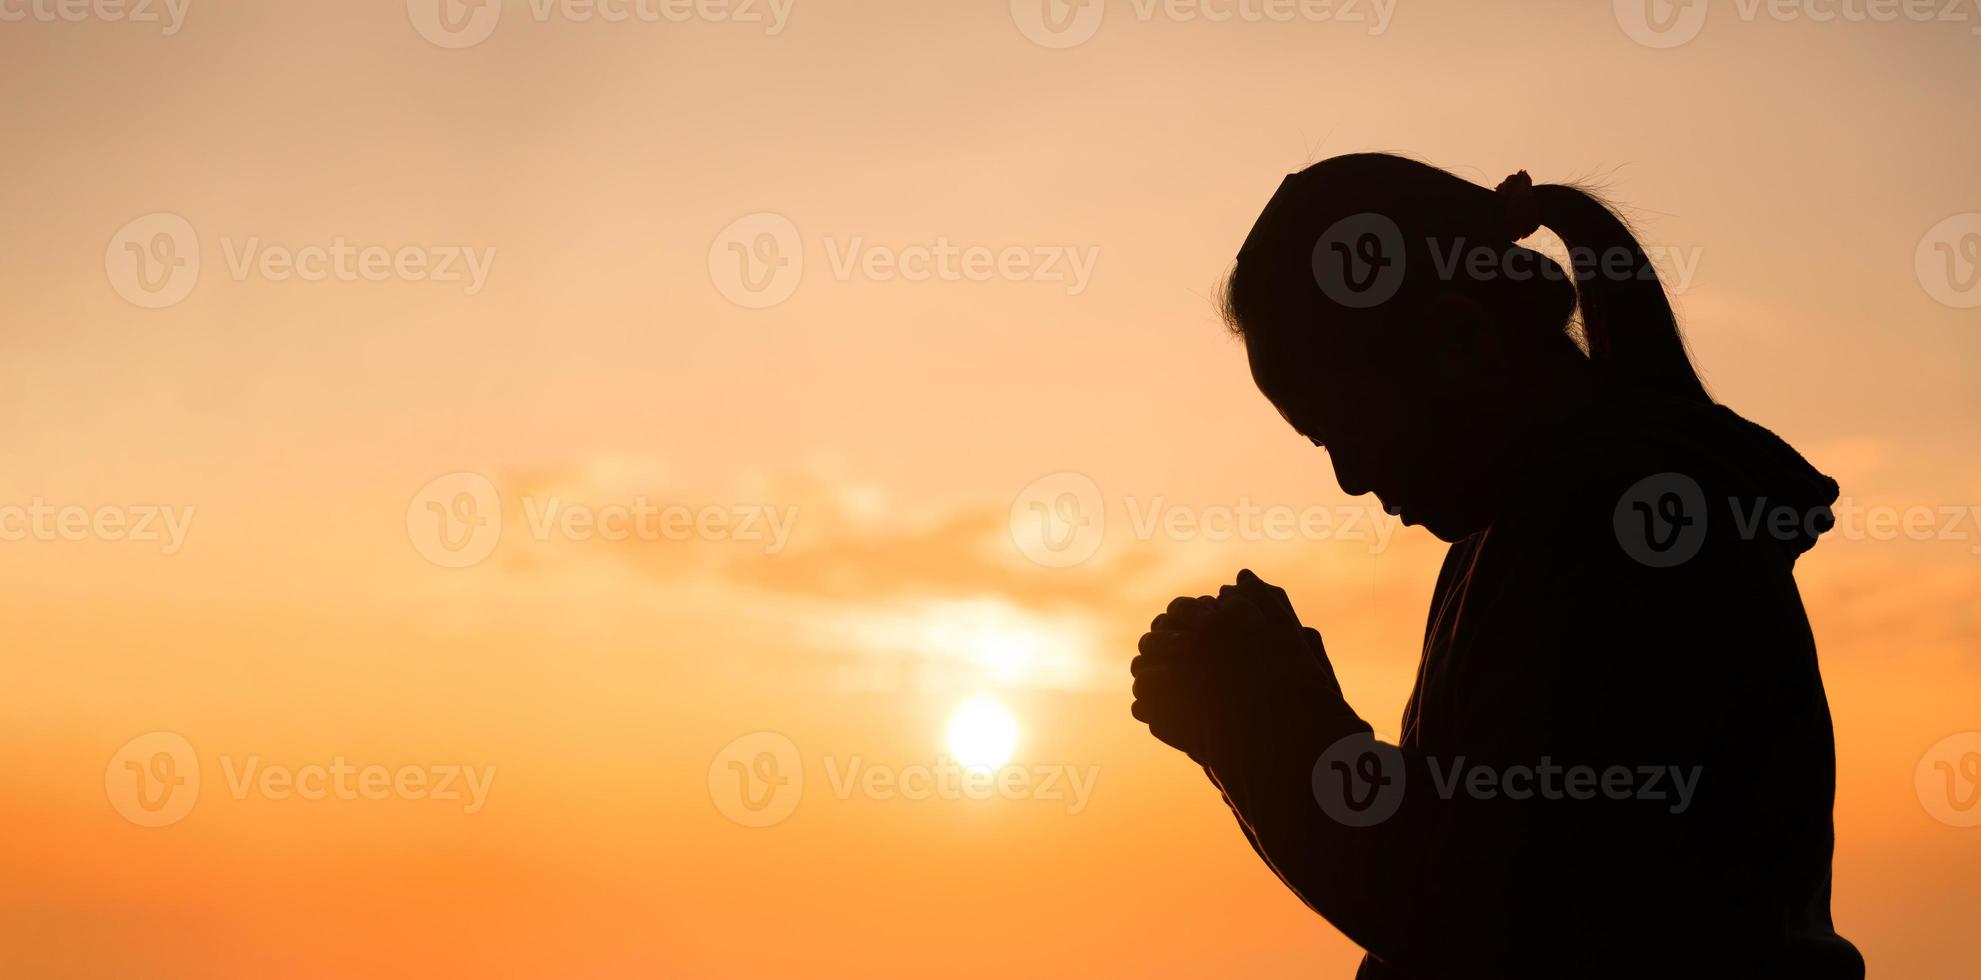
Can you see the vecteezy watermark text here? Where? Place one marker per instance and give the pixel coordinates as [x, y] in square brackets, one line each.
[758, 261]
[170, 14]
[154, 261]
[39, 520]
[1361, 261]
[456, 520]
[1070, 23]
[154, 780]
[456, 24]
[1360, 781]
[946, 779]
[1060, 520]
[758, 779]
[641, 519]
[1662, 520]
[1670, 23]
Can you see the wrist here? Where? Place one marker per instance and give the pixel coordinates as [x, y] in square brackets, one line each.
[1284, 743]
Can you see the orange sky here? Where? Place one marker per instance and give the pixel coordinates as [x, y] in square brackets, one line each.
[1793, 170]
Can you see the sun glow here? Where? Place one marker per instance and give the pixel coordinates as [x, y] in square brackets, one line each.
[974, 644]
[982, 734]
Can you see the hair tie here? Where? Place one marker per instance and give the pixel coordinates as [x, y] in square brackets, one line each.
[1518, 211]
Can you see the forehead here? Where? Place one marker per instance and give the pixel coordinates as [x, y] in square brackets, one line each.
[1291, 379]
[1319, 387]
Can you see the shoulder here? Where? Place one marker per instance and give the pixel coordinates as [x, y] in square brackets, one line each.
[1658, 492]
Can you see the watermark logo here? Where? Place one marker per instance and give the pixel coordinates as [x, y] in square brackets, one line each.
[153, 261]
[1059, 520]
[1661, 520]
[1948, 261]
[758, 260]
[454, 24]
[153, 780]
[1948, 780]
[757, 780]
[1058, 24]
[1359, 260]
[1359, 780]
[455, 520]
[1660, 23]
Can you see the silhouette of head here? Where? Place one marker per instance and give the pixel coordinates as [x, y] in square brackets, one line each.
[1389, 315]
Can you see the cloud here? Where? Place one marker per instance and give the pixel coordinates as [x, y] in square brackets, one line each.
[887, 594]
[882, 595]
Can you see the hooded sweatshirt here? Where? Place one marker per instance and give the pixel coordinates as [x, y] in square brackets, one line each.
[1617, 759]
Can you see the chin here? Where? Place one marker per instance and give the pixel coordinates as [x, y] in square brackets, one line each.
[1447, 527]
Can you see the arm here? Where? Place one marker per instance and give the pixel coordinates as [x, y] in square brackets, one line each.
[1452, 880]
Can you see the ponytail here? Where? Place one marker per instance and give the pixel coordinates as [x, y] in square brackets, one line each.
[1276, 284]
[1633, 335]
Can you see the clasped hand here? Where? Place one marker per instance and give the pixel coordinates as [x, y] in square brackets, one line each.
[1220, 673]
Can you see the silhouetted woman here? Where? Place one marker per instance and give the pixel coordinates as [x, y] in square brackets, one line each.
[1617, 759]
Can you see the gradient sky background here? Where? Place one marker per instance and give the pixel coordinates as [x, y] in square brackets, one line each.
[1800, 163]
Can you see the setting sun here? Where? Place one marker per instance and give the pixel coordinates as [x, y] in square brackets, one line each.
[982, 734]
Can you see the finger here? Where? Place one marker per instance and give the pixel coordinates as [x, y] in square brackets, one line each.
[1147, 666]
[1184, 612]
[1156, 700]
[1314, 644]
[1236, 610]
[1271, 599]
[1172, 644]
[1187, 607]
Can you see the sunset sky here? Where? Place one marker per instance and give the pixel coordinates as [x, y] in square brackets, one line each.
[837, 483]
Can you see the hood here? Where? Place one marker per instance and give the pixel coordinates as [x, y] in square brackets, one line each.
[1773, 492]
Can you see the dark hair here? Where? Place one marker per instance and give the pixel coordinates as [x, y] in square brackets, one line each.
[1632, 336]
